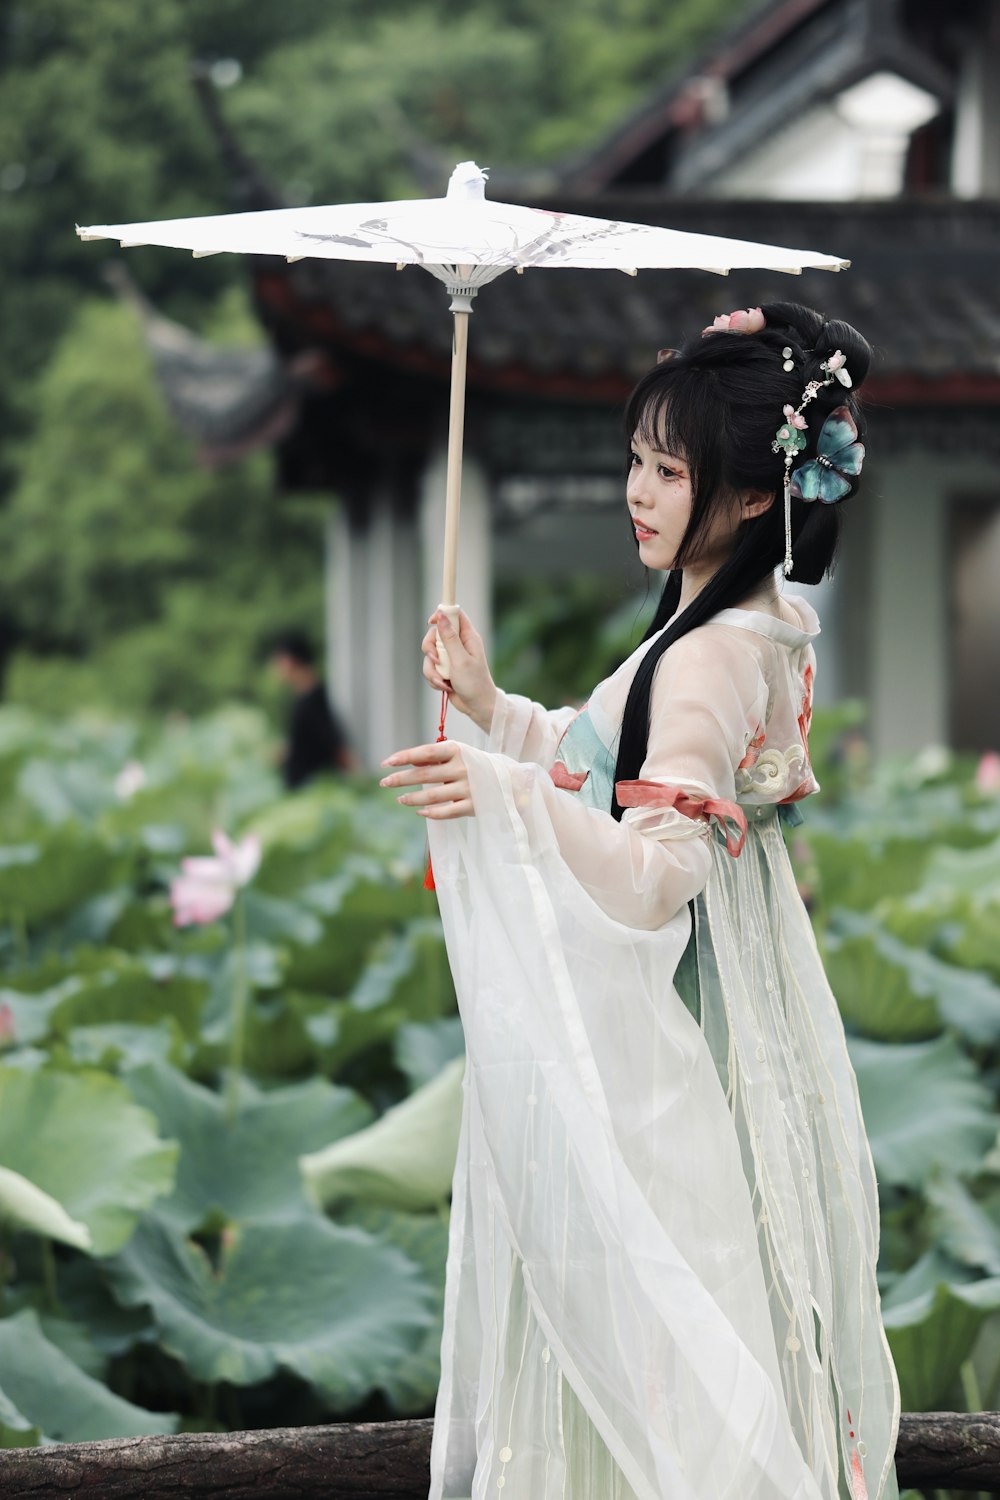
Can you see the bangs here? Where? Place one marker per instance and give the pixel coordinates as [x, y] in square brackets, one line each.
[671, 416]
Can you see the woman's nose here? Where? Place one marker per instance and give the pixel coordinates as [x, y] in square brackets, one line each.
[635, 488]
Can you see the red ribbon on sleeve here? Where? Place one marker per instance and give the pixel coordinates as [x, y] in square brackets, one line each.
[691, 804]
[569, 781]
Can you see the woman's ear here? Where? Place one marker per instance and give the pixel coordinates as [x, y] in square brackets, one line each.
[755, 502]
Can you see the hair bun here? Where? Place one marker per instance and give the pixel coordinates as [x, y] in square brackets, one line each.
[856, 350]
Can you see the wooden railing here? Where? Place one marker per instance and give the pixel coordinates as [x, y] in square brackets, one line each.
[386, 1461]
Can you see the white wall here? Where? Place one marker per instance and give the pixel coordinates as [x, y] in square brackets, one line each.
[975, 162]
[909, 626]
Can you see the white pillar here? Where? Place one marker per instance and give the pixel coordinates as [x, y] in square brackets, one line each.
[475, 562]
[344, 573]
[379, 630]
[374, 626]
[908, 622]
[975, 160]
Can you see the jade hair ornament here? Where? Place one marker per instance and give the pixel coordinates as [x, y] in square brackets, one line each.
[839, 453]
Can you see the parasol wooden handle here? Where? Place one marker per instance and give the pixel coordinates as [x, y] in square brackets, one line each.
[453, 483]
[452, 612]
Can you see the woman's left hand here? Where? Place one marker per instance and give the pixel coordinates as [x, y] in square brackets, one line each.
[439, 773]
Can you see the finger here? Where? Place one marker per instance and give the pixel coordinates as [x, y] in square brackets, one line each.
[466, 629]
[448, 633]
[422, 776]
[421, 755]
[426, 775]
[431, 796]
[463, 809]
[433, 676]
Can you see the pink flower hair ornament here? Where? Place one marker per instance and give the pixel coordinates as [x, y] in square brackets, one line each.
[744, 320]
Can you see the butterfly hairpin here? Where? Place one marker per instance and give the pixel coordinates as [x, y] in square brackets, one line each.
[839, 454]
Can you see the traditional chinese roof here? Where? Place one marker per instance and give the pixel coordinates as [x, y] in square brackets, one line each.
[230, 399]
[923, 288]
[760, 74]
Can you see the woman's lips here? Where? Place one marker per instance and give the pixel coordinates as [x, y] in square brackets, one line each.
[643, 533]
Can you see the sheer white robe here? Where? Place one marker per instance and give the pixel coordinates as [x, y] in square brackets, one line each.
[661, 1269]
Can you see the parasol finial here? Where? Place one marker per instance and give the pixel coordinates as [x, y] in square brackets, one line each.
[467, 182]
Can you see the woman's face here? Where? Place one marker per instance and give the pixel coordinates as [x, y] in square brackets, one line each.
[659, 502]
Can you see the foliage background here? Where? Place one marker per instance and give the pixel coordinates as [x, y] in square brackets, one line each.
[131, 577]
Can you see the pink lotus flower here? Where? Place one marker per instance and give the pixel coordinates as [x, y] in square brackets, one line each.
[8, 1030]
[795, 418]
[988, 772]
[207, 887]
[130, 779]
[748, 320]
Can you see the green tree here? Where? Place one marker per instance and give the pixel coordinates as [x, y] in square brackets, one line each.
[120, 551]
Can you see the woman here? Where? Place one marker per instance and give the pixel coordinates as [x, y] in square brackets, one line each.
[661, 1272]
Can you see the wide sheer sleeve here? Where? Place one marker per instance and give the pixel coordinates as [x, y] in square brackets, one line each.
[525, 730]
[708, 695]
[603, 1244]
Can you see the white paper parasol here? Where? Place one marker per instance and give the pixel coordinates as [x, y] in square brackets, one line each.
[465, 240]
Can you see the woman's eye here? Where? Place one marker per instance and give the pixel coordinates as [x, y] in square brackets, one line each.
[634, 459]
[667, 473]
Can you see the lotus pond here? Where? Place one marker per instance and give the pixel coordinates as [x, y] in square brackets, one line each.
[226, 1148]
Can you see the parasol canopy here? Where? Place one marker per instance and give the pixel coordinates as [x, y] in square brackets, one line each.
[466, 240]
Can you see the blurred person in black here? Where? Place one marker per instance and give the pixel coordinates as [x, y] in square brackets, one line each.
[317, 742]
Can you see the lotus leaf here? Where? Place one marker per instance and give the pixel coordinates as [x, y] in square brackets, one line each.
[81, 1139]
[358, 906]
[16, 1430]
[63, 790]
[923, 1106]
[874, 994]
[974, 942]
[114, 1046]
[44, 879]
[423, 1048]
[405, 1160]
[975, 871]
[272, 919]
[25, 1206]
[247, 1169]
[42, 1383]
[412, 1384]
[28, 1014]
[858, 871]
[968, 1231]
[86, 1299]
[185, 804]
[893, 992]
[130, 994]
[335, 1306]
[932, 1336]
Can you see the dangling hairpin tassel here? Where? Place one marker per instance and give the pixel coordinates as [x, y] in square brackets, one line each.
[790, 437]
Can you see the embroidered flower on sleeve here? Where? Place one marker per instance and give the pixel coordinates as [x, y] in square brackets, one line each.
[805, 717]
[808, 784]
[754, 747]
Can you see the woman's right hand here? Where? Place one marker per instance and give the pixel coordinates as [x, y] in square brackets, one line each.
[471, 687]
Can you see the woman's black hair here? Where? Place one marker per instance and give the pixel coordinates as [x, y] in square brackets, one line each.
[718, 403]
